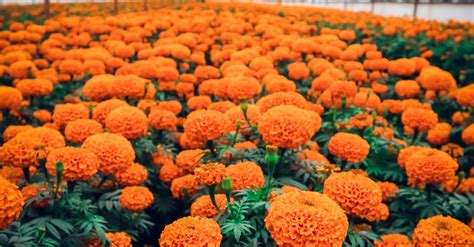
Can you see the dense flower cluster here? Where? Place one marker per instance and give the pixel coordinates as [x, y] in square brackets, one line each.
[442, 230]
[192, 230]
[12, 203]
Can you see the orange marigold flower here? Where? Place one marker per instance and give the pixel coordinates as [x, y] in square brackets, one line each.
[188, 231]
[357, 194]
[362, 121]
[12, 174]
[35, 87]
[298, 71]
[288, 126]
[402, 67]
[242, 88]
[98, 87]
[128, 121]
[439, 134]
[12, 130]
[119, 239]
[114, 152]
[466, 186]
[442, 231]
[189, 159]
[78, 130]
[349, 147]
[136, 174]
[245, 175]
[221, 106]
[65, 113]
[434, 78]
[453, 149]
[169, 172]
[277, 83]
[407, 88]
[236, 114]
[70, 66]
[405, 153]
[203, 206]
[184, 186]
[12, 203]
[206, 72]
[42, 115]
[199, 102]
[430, 166]
[467, 135]
[162, 120]
[206, 125]
[366, 98]
[79, 163]
[22, 69]
[102, 110]
[10, 98]
[281, 98]
[465, 96]
[136, 198]
[210, 174]
[306, 218]
[132, 86]
[419, 119]
[388, 189]
[392, 240]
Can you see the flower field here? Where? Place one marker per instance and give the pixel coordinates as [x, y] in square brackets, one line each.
[234, 125]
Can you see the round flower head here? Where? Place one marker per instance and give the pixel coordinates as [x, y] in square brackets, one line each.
[467, 135]
[12, 130]
[78, 130]
[434, 78]
[102, 110]
[169, 172]
[132, 86]
[439, 134]
[136, 198]
[465, 96]
[10, 98]
[349, 147]
[392, 240]
[442, 231]
[12, 203]
[357, 194]
[184, 186]
[242, 88]
[306, 218]
[189, 159]
[388, 189]
[221, 106]
[419, 119]
[298, 71]
[65, 113]
[98, 87]
[191, 231]
[42, 115]
[199, 102]
[206, 125]
[162, 120]
[79, 164]
[128, 121]
[210, 174]
[281, 98]
[119, 239]
[407, 88]
[203, 206]
[115, 152]
[35, 87]
[136, 174]
[288, 126]
[236, 114]
[430, 166]
[402, 67]
[245, 175]
[405, 153]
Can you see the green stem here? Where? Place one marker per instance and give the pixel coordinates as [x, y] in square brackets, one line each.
[26, 174]
[271, 170]
[70, 186]
[212, 194]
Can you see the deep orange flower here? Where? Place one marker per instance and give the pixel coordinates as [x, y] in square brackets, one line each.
[65, 113]
[221, 106]
[430, 166]
[162, 120]
[388, 189]
[119, 239]
[12, 130]
[10, 98]
[288, 126]
[35, 87]
[392, 240]
[419, 119]
[169, 172]
[245, 175]
[405, 154]
[210, 174]
[198, 102]
[206, 72]
[439, 134]
[206, 125]
[102, 110]
[349, 147]
[114, 152]
[128, 121]
[134, 175]
[467, 135]
[236, 114]
[78, 130]
[407, 88]
[306, 218]
[80, 164]
[12, 203]
[242, 88]
[442, 231]
[191, 231]
[281, 98]
[173, 106]
[42, 115]
[184, 186]
[465, 96]
[203, 206]
[98, 87]
[402, 67]
[136, 198]
[189, 159]
[298, 71]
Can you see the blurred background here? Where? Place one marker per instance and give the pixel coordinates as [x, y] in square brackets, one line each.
[442, 10]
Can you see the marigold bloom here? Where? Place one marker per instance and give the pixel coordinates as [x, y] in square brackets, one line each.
[236, 114]
[203, 206]
[65, 113]
[288, 126]
[419, 119]
[442, 231]
[119, 239]
[306, 218]
[169, 172]
[128, 121]
[35, 87]
[356, 194]
[198, 102]
[210, 174]
[12, 203]
[465, 96]
[162, 120]
[402, 67]
[189, 159]
[405, 154]
[281, 98]
[392, 240]
[221, 106]
[80, 164]
[136, 174]
[388, 189]
[430, 166]
[136, 198]
[98, 87]
[206, 125]
[78, 130]
[407, 88]
[114, 152]
[12, 130]
[132, 86]
[206, 72]
[10, 98]
[278, 83]
[184, 186]
[349, 147]
[102, 110]
[188, 231]
[245, 175]
[434, 78]
[439, 134]
[467, 135]
[242, 88]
